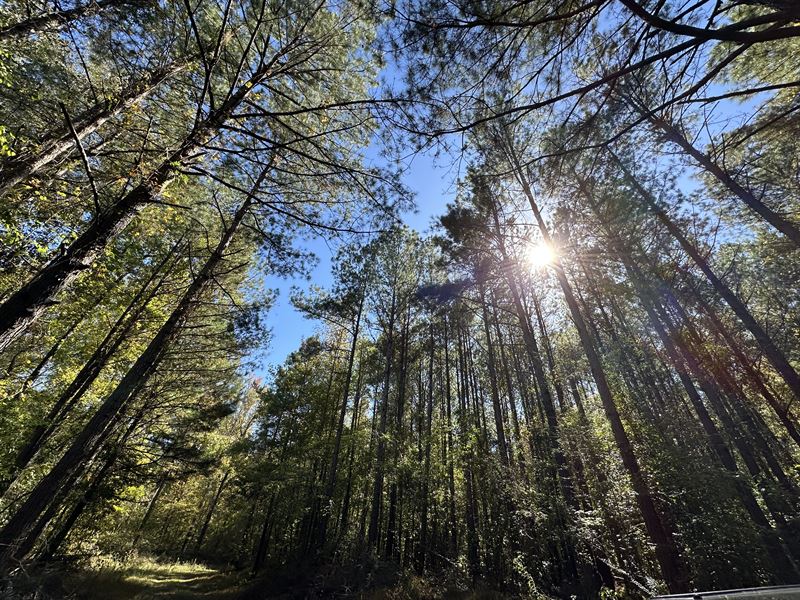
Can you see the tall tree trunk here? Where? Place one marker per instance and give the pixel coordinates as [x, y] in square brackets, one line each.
[449, 444]
[681, 359]
[391, 549]
[37, 370]
[344, 520]
[87, 443]
[373, 533]
[782, 412]
[535, 358]
[263, 542]
[502, 446]
[54, 543]
[61, 143]
[23, 307]
[764, 341]
[512, 404]
[471, 510]
[660, 534]
[426, 469]
[331, 479]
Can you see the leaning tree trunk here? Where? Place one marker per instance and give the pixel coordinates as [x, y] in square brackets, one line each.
[65, 527]
[782, 412]
[682, 359]
[660, 534]
[20, 310]
[37, 370]
[764, 341]
[201, 536]
[674, 135]
[62, 143]
[88, 442]
[151, 506]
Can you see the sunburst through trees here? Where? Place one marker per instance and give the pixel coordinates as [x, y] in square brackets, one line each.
[581, 379]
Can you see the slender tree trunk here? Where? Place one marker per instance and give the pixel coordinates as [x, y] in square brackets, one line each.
[263, 542]
[782, 412]
[54, 543]
[540, 377]
[725, 458]
[661, 536]
[391, 549]
[373, 533]
[449, 444]
[345, 515]
[512, 404]
[502, 446]
[201, 536]
[426, 470]
[151, 505]
[471, 510]
[37, 370]
[548, 352]
[771, 351]
[61, 143]
[331, 480]
[94, 434]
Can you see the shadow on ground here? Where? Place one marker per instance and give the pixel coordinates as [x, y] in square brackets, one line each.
[154, 582]
[146, 579]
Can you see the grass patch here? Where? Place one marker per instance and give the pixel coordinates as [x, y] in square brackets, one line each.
[137, 578]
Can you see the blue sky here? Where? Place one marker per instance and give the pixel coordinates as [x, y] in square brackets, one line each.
[433, 186]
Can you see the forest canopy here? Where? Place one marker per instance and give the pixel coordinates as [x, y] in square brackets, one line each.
[581, 379]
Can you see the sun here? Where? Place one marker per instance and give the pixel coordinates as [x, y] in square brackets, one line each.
[539, 255]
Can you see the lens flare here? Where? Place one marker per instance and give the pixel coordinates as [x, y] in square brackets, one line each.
[539, 255]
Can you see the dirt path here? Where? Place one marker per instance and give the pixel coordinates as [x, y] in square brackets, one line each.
[154, 581]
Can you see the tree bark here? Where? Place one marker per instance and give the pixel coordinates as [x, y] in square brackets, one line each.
[94, 434]
[764, 341]
[661, 536]
[59, 144]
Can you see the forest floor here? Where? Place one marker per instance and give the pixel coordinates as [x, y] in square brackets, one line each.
[146, 579]
[155, 581]
[140, 580]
